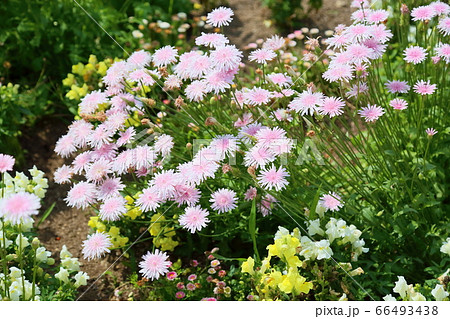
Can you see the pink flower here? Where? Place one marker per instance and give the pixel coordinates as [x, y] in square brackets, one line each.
[190, 286]
[126, 136]
[63, 174]
[164, 56]
[371, 112]
[139, 59]
[257, 96]
[430, 131]
[332, 106]
[282, 115]
[113, 208]
[110, 188]
[143, 157]
[192, 277]
[258, 156]
[220, 16]
[331, 201]
[422, 13]
[91, 101]
[196, 90]
[209, 299]
[415, 54]
[377, 16]
[356, 89]
[65, 145]
[98, 169]
[359, 53]
[149, 200]
[194, 218]
[397, 86]
[116, 73]
[225, 58]
[273, 178]
[280, 79]
[185, 194]
[81, 195]
[100, 136]
[96, 245]
[444, 26]
[251, 193]
[398, 104]
[262, 55]
[307, 102]
[443, 51]
[180, 295]
[6, 163]
[164, 182]
[19, 207]
[213, 40]
[274, 43]
[164, 144]
[248, 131]
[216, 82]
[154, 264]
[340, 72]
[266, 136]
[143, 76]
[171, 275]
[265, 208]
[440, 8]
[80, 130]
[180, 286]
[424, 88]
[358, 32]
[123, 161]
[223, 200]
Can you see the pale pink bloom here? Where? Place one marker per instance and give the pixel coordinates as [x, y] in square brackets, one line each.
[356, 89]
[358, 32]
[397, 86]
[265, 208]
[116, 73]
[444, 26]
[209, 154]
[143, 157]
[223, 200]
[164, 182]
[225, 58]
[212, 40]
[216, 82]
[332, 106]
[423, 13]
[258, 156]
[251, 193]
[149, 200]
[19, 207]
[198, 66]
[190, 286]
[98, 169]
[371, 113]
[257, 96]
[359, 3]
[143, 76]
[415, 54]
[338, 41]
[424, 88]
[344, 57]
[81, 195]
[443, 51]
[96, 245]
[80, 130]
[377, 48]
[200, 170]
[123, 161]
[6, 163]
[172, 82]
[220, 16]
[126, 137]
[65, 146]
[288, 92]
[163, 144]
[331, 201]
[274, 43]
[183, 67]
[360, 15]
[91, 101]
[110, 187]
[139, 59]
[280, 79]
[380, 33]
[244, 121]
[165, 56]
[154, 265]
[262, 55]
[266, 136]
[115, 121]
[106, 151]
[120, 101]
[225, 145]
[360, 53]
[63, 174]
[282, 115]
[377, 16]
[430, 131]
[246, 133]
[81, 162]
[273, 178]
[435, 59]
[340, 72]
[196, 90]
[194, 218]
[440, 8]
[113, 208]
[307, 102]
[398, 104]
[281, 146]
[185, 194]
[101, 135]
[192, 277]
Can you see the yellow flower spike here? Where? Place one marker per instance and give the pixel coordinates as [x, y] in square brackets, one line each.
[102, 68]
[92, 59]
[69, 81]
[265, 265]
[294, 261]
[276, 278]
[248, 266]
[83, 90]
[168, 244]
[78, 68]
[169, 232]
[114, 231]
[129, 199]
[93, 222]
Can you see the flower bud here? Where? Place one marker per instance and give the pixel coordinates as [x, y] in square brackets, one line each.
[35, 243]
[50, 261]
[210, 121]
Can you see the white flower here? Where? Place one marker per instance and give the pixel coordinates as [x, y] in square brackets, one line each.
[7, 241]
[439, 293]
[14, 273]
[309, 250]
[320, 210]
[62, 275]
[71, 264]
[445, 248]
[81, 279]
[314, 228]
[22, 242]
[15, 291]
[323, 249]
[401, 286]
[389, 298]
[281, 232]
[64, 252]
[137, 34]
[416, 296]
[42, 255]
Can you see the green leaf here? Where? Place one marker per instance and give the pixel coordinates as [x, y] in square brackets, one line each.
[252, 228]
[46, 214]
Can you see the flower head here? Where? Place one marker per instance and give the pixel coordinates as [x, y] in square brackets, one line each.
[220, 16]
[331, 201]
[96, 245]
[430, 131]
[154, 264]
[262, 55]
[273, 178]
[398, 104]
[6, 163]
[371, 112]
[81, 195]
[164, 56]
[415, 54]
[397, 86]
[19, 207]
[113, 208]
[423, 13]
[332, 106]
[424, 88]
[194, 218]
[223, 200]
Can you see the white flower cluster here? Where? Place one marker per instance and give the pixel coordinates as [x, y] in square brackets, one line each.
[70, 264]
[37, 185]
[407, 292]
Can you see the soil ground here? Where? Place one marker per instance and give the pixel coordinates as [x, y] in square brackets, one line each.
[67, 226]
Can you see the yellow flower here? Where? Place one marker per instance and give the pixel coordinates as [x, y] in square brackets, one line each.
[247, 266]
[168, 244]
[155, 225]
[70, 80]
[92, 59]
[102, 68]
[78, 68]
